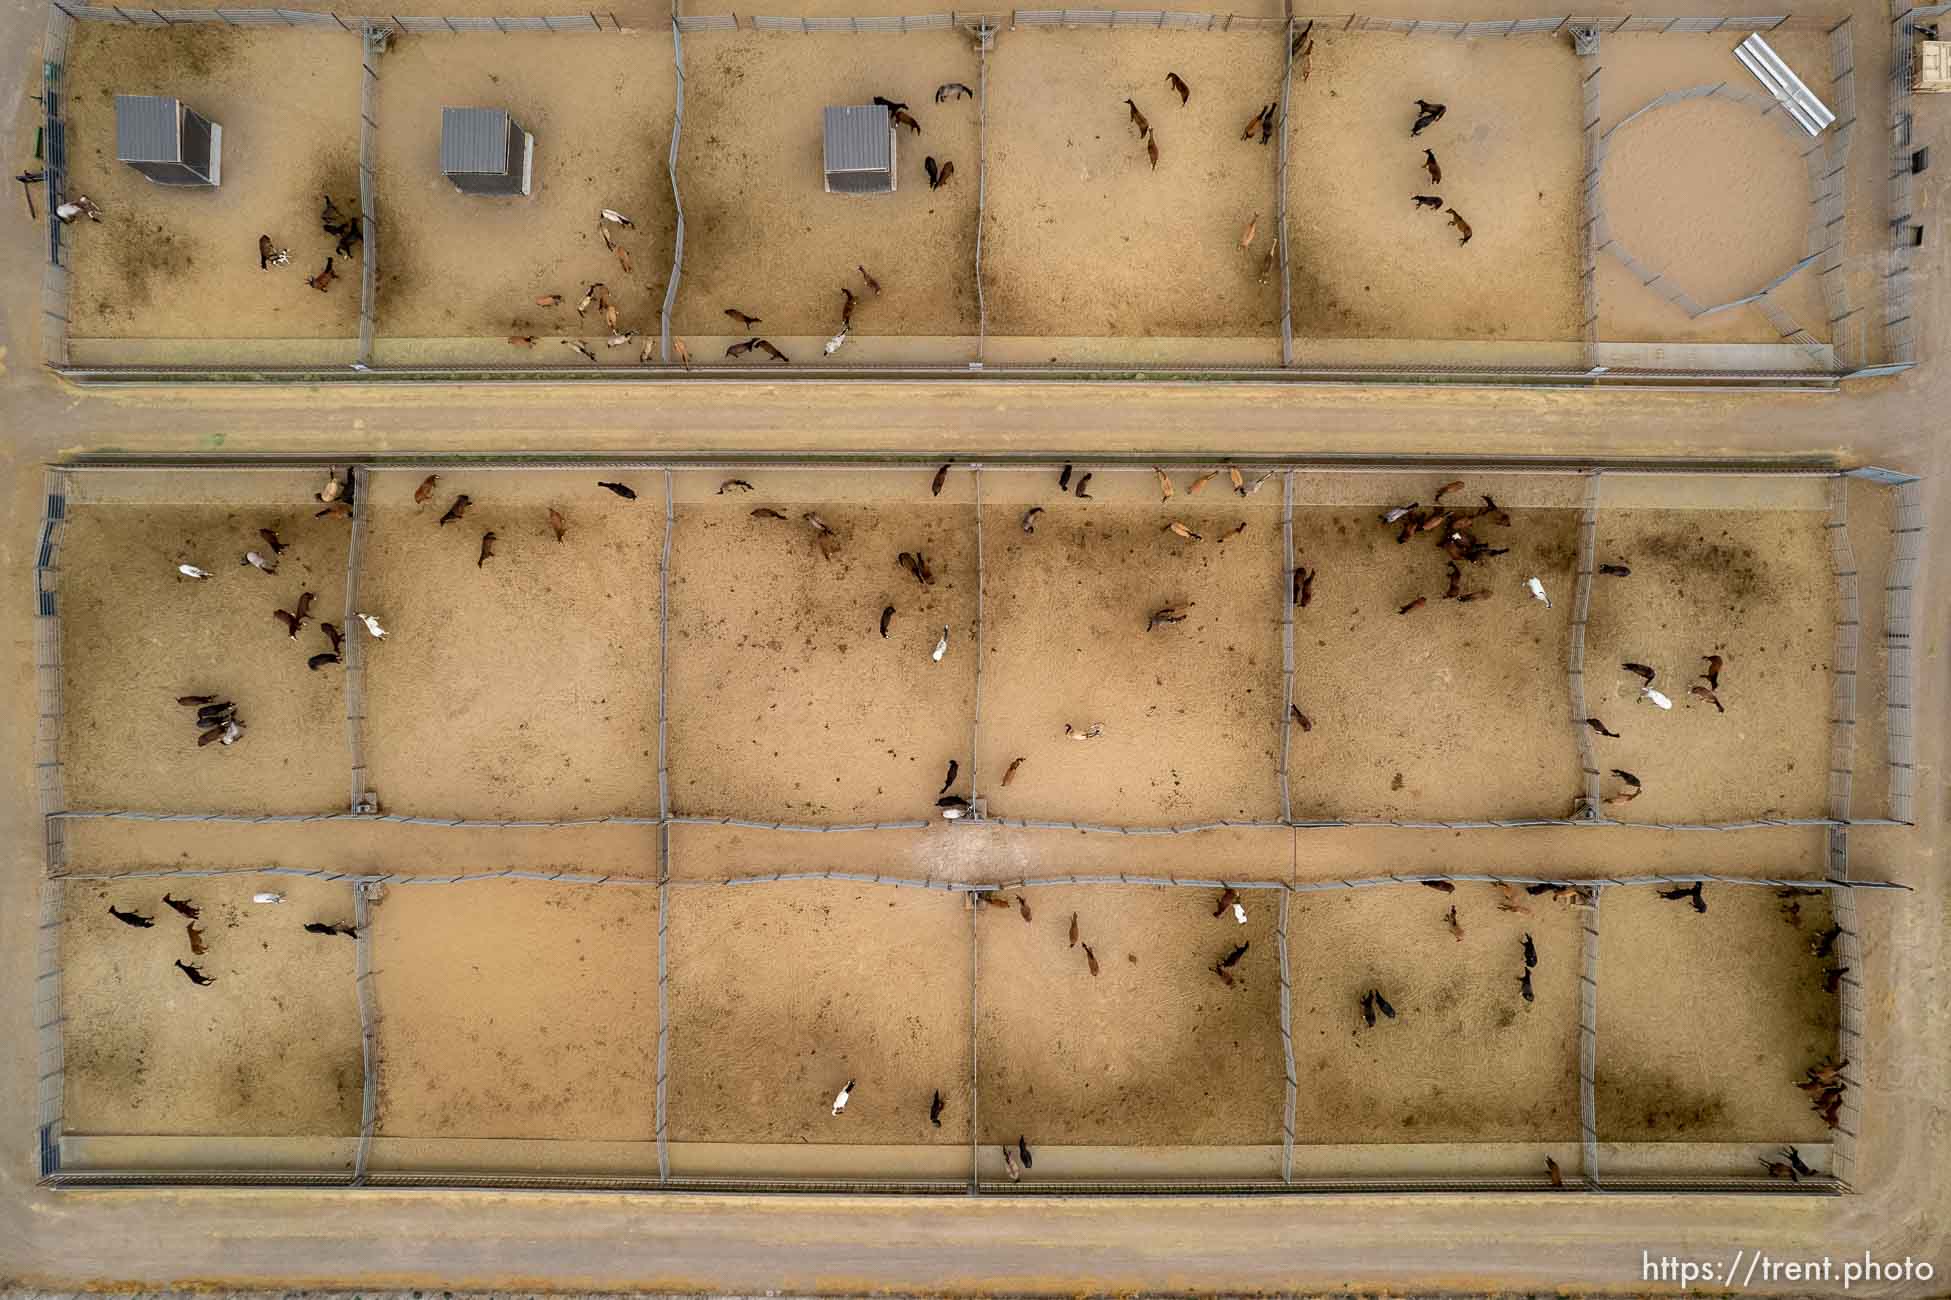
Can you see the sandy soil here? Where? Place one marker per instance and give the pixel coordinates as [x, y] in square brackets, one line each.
[1466, 1059]
[1365, 262]
[1065, 620]
[127, 743]
[786, 702]
[1492, 670]
[511, 1009]
[272, 1048]
[782, 993]
[1706, 1022]
[456, 264]
[762, 235]
[288, 102]
[478, 704]
[972, 853]
[1568, 851]
[1714, 197]
[1059, 1060]
[1084, 237]
[1755, 590]
[361, 847]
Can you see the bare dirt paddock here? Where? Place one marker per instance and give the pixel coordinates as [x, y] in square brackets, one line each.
[527, 687]
[764, 238]
[460, 272]
[1085, 236]
[169, 263]
[1365, 261]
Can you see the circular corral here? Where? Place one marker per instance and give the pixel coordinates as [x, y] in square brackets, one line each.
[1703, 190]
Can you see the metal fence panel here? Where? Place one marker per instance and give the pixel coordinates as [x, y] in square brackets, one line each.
[677, 199]
[1280, 220]
[985, 39]
[1843, 655]
[1899, 627]
[50, 719]
[50, 714]
[1592, 217]
[374, 41]
[1588, 1042]
[48, 1024]
[355, 642]
[362, 924]
[1899, 333]
[56, 286]
[1588, 762]
[916, 23]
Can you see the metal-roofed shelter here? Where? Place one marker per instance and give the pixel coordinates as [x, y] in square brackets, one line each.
[859, 150]
[167, 142]
[485, 151]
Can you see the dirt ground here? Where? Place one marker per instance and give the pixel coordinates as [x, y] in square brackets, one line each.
[127, 743]
[1367, 263]
[1065, 618]
[786, 702]
[270, 1049]
[454, 264]
[1574, 852]
[761, 234]
[782, 993]
[358, 846]
[1706, 1022]
[1058, 1057]
[973, 853]
[288, 102]
[1715, 196]
[1753, 588]
[510, 1009]
[1084, 237]
[1466, 1059]
[478, 704]
[1491, 670]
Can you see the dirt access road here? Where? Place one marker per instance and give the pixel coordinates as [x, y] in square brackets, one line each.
[143, 1240]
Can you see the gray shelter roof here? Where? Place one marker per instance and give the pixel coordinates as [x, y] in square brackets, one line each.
[145, 129]
[857, 140]
[474, 140]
